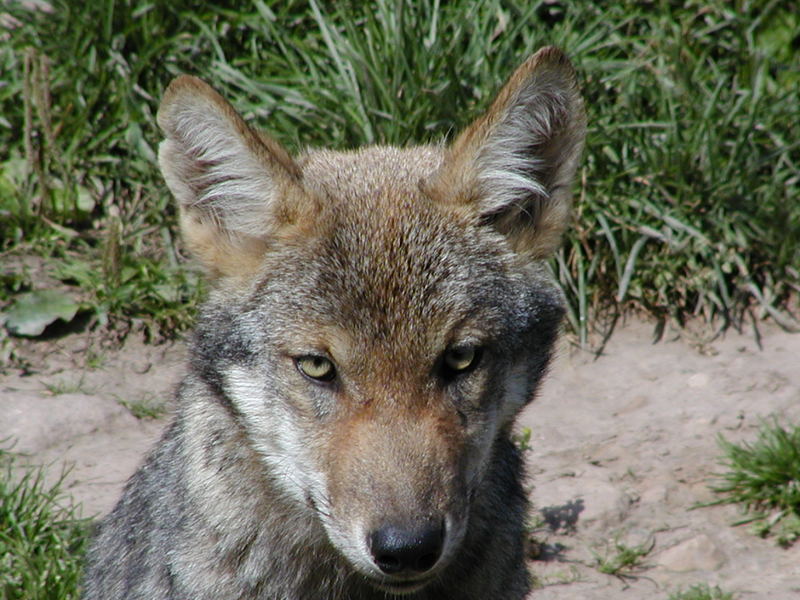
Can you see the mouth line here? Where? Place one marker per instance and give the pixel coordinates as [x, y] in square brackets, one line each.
[400, 587]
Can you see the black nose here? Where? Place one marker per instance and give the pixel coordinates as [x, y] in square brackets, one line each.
[410, 549]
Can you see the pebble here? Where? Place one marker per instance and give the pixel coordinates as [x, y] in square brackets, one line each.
[699, 380]
[699, 553]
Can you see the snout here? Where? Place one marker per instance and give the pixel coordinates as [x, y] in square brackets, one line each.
[411, 549]
[397, 502]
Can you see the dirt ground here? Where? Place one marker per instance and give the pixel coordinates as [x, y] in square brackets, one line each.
[621, 448]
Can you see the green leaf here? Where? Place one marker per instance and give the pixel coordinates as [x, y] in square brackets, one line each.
[32, 312]
[84, 200]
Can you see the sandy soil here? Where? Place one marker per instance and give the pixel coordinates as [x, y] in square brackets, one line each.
[622, 447]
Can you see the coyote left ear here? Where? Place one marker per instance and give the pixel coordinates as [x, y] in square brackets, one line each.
[236, 188]
[514, 166]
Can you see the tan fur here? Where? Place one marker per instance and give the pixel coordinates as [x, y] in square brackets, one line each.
[549, 80]
[382, 267]
[223, 252]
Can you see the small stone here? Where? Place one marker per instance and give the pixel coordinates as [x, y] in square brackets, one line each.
[695, 554]
[655, 494]
[699, 380]
[587, 499]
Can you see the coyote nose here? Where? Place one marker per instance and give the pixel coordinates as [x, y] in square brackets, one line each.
[397, 550]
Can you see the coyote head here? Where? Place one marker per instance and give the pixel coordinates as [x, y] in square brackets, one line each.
[379, 316]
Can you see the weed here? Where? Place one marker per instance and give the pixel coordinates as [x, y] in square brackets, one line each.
[624, 560]
[561, 577]
[41, 542]
[145, 407]
[701, 592]
[522, 439]
[95, 359]
[764, 478]
[67, 386]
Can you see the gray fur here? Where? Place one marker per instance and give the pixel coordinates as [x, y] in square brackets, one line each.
[266, 482]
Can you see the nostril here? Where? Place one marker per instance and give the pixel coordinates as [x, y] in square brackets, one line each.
[389, 563]
[426, 562]
[414, 548]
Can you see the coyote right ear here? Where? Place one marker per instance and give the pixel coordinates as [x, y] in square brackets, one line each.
[231, 183]
[513, 167]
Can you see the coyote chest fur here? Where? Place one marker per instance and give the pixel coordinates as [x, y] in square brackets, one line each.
[377, 320]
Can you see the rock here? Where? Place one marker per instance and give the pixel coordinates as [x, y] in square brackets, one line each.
[658, 493]
[587, 498]
[698, 380]
[695, 554]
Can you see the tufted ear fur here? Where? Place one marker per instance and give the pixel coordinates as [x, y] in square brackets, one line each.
[514, 166]
[235, 187]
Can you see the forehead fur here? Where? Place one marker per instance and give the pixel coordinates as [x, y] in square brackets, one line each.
[371, 173]
[387, 258]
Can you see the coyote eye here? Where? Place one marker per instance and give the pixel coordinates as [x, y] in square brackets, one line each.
[317, 368]
[460, 359]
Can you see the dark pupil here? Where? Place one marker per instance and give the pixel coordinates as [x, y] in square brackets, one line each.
[461, 358]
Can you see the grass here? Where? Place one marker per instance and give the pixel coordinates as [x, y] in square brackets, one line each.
[522, 439]
[686, 200]
[41, 542]
[624, 560]
[763, 477]
[147, 406]
[701, 592]
[67, 386]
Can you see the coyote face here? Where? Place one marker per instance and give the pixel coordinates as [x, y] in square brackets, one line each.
[375, 357]
[378, 319]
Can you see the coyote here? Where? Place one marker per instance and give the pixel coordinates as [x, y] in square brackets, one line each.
[376, 321]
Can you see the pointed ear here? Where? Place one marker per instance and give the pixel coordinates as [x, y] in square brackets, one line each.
[232, 184]
[514, 166]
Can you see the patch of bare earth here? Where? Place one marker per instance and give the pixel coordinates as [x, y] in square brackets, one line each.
[622, 447]
[72, 408]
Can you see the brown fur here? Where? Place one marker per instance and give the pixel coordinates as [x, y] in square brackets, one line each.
[411, 279]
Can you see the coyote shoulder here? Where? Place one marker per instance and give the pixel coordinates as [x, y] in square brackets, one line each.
[377, 319]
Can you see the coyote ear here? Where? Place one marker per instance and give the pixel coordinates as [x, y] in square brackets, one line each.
[230, 182]
[514, 166]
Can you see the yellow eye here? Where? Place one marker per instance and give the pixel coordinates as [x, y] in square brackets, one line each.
[460, 359]
[318, 368]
